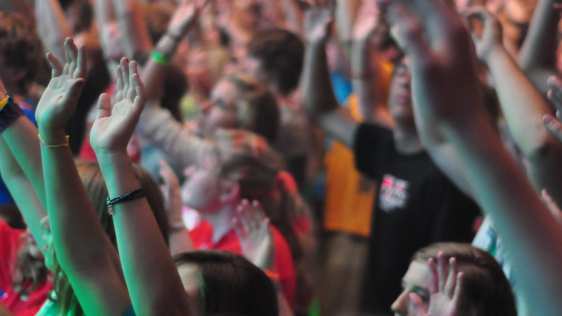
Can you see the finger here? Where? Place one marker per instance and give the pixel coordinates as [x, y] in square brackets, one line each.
[131, 93]
[551, 205]
[451, 278]
[416, 305]
[442, 270]
[434, 284]
[73, 62]
[104, 106]
[67, 56]
[80, 71]
[553, 126]
[124, 66]
[555, 91]
[459, 288]
[55, 64]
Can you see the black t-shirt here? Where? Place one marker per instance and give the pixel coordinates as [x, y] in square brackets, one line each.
[416, 206]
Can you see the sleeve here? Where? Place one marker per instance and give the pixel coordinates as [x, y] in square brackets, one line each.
[10, 240]
[370, 146]
[180, 147]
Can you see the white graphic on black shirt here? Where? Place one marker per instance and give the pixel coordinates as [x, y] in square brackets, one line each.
[393, 194]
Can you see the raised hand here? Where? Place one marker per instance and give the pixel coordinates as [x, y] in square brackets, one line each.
[117, 118]
[318, 20]
[446, 290]
[252, 227]
[366, 22]
[58, 102]
[491, 36]
[554, 124]
[185, 16]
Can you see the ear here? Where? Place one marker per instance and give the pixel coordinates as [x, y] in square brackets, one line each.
[230, 192]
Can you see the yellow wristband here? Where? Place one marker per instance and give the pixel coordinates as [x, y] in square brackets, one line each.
[65, 144]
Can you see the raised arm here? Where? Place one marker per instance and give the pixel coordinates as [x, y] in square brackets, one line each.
[183, 20]
[150, 274]
[24, 195]
[523, 107]
[82, 248]
[131, 22]
[362, 74]
[538, 54]
[318, 95]
[52, 26]
[439, 63]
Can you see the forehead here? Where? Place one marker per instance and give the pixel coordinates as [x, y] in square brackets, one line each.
[418, 275]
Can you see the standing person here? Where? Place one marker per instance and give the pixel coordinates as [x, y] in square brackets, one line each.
[417, 204]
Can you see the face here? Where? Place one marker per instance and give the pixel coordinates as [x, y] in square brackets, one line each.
[416, 280]
[221, 112]
[400, 95]
[202, 188]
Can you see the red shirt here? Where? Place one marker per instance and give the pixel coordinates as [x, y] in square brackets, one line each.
[10, 242]
[283, 264]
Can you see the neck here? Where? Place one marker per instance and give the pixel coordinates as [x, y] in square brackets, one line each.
[407, 139]
[221, 221]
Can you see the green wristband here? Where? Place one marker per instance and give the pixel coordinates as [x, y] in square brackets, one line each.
[159, 57]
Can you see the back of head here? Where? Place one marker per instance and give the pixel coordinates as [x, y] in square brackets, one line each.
[256, 108]
[487, 291]
[280, 54]
[20, 50]
[231, 284]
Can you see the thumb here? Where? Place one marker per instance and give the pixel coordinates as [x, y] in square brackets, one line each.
[104, 106]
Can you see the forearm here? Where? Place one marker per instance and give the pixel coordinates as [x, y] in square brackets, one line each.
[24, 195]
[364, 80]
[153, 72]
[179, 241]
[131, 22]
[531, 236]
[21, 139]
[522, 104]
[538, 54]
[315, 83]
[52, 26]
[346, 10]
[150, 274]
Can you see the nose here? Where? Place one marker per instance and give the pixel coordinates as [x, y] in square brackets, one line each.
[400, 305]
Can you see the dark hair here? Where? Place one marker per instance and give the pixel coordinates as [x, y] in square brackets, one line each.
[95, 188]
[20, 47]
[487, 291]
[281, 55]
[256, 108]
[232, 284]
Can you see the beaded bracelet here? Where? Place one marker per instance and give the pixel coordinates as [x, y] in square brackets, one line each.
[134, 195]
[65, 144]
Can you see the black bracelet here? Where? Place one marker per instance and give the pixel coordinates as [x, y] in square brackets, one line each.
[9, 114]
[134, 195]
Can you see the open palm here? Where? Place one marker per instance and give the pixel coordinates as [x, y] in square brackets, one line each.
[117, 118]
[58, 102]
[317, 20]
[186, 15]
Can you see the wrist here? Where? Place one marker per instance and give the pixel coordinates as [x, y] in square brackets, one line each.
[493, 52]
[52, 136]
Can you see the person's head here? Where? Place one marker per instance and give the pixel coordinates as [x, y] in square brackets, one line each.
[94, 185]
[400, 94]
[275, 57]
[219, 283]
[240, 102]
[486, 291]
[242, 166]
[21, 53]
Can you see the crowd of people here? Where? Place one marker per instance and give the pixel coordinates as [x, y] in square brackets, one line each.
[280, 157]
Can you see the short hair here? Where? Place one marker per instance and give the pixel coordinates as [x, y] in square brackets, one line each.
[256, 108]
[281, 54]
[20, 47]
[232, 284]
[487, 291]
